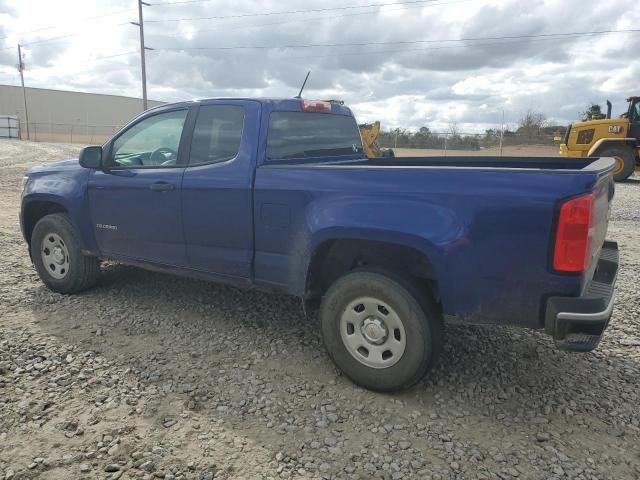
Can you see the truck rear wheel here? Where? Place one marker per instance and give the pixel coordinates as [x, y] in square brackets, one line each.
[625, 161]
[57, 256]
[381, 330]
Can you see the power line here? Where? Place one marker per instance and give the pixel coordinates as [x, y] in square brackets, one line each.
[404, 42]
[331, 55]
[409, 50]
[324, 17]
[432, 3]
[112, 56]
[79, 20]
[62, 37]
[366, 53]
[290, 12]
[35, 42]
[489, 41]
[53, 39]
[76, 62]
[179, 3]
[496, 41]
[358, 53]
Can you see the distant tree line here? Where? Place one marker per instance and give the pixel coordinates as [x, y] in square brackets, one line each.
[532, 129]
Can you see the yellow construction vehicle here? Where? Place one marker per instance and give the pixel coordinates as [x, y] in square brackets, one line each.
[618, 138]
[369, 133]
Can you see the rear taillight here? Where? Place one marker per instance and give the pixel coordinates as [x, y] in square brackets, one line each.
[315, 106]
[574, 235]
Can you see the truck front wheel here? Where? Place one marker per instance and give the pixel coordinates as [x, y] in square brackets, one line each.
[57, 256]
[381, 330]
[625, 161]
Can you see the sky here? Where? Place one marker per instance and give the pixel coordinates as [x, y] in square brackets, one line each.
[409, 64]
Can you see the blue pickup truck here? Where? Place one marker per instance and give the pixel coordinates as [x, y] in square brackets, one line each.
[278, 194]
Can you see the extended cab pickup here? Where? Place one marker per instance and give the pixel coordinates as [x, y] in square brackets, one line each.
[278, 194]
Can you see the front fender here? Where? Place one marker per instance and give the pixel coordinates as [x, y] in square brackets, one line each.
[67, 189]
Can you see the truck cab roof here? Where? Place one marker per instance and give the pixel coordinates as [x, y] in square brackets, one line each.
[273, 104]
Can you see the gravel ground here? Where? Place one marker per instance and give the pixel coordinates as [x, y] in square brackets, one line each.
[154, 376]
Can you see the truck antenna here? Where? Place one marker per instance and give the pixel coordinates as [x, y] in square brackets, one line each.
[303, 84]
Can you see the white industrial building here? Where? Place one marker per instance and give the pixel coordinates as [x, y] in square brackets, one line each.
[63, 116]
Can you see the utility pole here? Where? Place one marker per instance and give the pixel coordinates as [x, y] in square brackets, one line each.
[24, 91]
[140, 24]
[501, 133]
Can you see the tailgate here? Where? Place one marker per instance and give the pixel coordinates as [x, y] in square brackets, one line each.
[603, 193]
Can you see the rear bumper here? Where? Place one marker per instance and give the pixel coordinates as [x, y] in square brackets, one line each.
[577, 323]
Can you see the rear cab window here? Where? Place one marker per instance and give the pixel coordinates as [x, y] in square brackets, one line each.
[312, 135]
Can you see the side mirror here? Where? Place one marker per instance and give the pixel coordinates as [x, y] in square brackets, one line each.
[91, 157]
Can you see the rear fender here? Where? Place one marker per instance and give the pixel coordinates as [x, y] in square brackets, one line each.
[414, 242]
[432, 255]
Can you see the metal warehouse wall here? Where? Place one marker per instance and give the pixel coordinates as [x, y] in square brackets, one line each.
[57, 115]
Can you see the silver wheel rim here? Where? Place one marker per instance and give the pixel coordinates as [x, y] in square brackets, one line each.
[372, 332]
[55, 255]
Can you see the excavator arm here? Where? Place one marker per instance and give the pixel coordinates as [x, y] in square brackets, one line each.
[369, 133]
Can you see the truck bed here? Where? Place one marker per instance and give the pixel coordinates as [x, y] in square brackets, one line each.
[485, 223]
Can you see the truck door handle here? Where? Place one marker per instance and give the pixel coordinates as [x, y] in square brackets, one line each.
[162, 187]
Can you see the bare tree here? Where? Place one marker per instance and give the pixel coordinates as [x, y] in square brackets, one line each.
[532, 120]
[530, 126]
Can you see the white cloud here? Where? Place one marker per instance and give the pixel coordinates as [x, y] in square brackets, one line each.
[431, 83]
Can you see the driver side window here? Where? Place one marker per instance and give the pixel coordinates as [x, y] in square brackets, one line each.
[153, 142]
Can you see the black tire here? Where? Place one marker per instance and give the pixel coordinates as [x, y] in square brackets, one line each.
[387, 153]
[625, 160]
[420, 316]
[82, 272]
